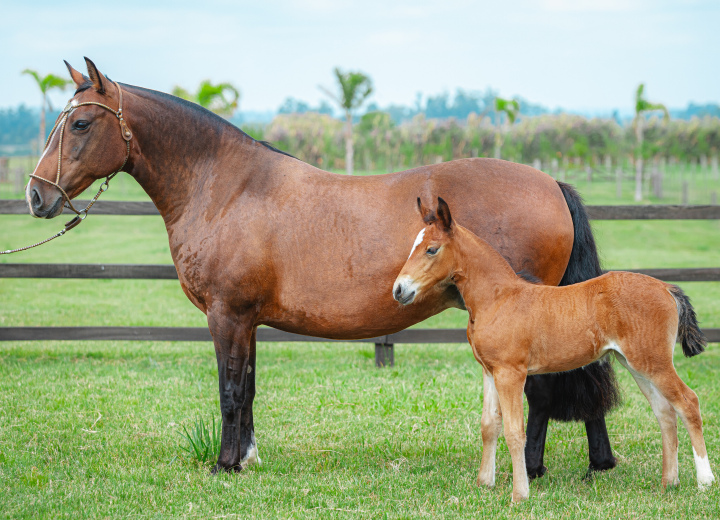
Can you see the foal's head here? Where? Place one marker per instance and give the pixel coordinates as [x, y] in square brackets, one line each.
[431, 264]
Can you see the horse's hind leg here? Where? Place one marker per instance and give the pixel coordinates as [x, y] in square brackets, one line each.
[667, 418]
[234, 340]
[491, 424]
[509, 384]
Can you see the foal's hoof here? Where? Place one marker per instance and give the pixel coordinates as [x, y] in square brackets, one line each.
[219, 468]
[537, 472]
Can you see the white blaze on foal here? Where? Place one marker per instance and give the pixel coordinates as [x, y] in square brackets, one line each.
[418, 241]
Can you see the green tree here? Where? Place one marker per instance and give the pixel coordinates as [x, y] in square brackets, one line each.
[509, 107]
[642, 107]
[221, 99]
[355, 87]
[45, 84]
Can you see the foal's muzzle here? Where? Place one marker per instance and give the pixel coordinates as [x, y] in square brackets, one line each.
[404, 291]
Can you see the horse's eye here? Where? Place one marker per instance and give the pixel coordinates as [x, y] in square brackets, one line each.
[432, 250]
[80, 124]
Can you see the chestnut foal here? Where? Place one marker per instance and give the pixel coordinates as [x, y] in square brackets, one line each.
[518, 328]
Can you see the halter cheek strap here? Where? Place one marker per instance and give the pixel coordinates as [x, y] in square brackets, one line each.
[80, 215]
[61, 122]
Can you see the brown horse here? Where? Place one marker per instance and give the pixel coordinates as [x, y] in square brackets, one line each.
[259, 237]
[518, 328]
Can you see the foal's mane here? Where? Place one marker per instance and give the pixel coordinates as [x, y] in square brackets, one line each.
[210, 117]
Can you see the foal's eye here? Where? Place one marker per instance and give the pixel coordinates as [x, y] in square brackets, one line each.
[80, 124]
[432, 250]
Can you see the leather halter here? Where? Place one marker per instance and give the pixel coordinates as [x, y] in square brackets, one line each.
[61, 122]
[82, 214]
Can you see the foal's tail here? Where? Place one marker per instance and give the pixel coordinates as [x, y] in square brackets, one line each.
[689, 333]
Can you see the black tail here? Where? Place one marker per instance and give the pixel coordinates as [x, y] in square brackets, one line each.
[590, 392]
[584, 262]
[689, 333]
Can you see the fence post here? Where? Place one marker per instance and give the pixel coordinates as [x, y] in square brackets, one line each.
[685, 193]
[384, 355]
[713, 198]
[4, 169]
[18, 175]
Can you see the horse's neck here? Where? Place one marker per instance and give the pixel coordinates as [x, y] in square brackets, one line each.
[484, 275]
[183, 151]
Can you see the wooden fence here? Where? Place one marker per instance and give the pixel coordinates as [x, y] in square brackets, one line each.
[384, 351]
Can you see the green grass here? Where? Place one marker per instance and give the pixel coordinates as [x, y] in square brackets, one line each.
[94, 429]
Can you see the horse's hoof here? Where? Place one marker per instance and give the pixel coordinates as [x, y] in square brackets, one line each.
[537, 472]
[219, 468]
[596, 467]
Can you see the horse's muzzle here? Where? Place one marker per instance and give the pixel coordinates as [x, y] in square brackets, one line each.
[40, 207]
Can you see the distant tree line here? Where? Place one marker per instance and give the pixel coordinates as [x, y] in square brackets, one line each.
[381, 144]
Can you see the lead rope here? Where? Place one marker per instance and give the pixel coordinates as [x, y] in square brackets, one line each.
[82, 214]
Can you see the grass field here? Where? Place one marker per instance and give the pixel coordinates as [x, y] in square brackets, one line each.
[92, 429]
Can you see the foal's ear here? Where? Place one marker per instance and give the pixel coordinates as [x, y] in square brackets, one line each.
[77, 77]
[427, 214]
[443, 213]
[95, 76]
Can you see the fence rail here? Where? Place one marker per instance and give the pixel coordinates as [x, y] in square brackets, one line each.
[168, 272]
[651, 212]
[384, 353]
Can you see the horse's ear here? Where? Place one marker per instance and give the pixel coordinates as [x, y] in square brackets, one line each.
[443, 213]
[77, 77]
[95, 76]
[426, 213]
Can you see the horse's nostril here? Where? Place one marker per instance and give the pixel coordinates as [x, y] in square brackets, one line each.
[36, 200]
[398, 291]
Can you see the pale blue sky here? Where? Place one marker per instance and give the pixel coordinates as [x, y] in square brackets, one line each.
[576, 54]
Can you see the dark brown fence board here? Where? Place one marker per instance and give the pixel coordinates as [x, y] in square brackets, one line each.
[652, 212]
[264, 334]
[101, 207]
[167, 272]
[114, 271]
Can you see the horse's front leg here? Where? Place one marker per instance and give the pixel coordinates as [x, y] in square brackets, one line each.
[234, 339]
[538, 390]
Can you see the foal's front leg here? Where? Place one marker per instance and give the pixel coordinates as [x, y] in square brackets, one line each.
[491, 424]
[509, 383]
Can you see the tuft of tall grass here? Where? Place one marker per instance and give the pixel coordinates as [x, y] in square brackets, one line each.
[203, 440]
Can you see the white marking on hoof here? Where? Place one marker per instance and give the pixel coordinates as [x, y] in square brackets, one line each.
[251, 457]
[705, 475]
[418, 241]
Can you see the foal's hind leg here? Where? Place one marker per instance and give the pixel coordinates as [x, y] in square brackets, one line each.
[686, 404]
[491, 424]
[667, 418]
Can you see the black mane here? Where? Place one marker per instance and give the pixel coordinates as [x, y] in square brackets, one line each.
[196, 108]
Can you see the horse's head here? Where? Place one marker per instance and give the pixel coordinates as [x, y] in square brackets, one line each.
[431, 263]
[86, 144]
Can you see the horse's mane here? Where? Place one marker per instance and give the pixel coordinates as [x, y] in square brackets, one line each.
[528, 277]
[209, 116]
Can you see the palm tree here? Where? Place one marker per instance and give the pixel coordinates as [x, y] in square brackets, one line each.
[642, 106]
[510, 107]
[221, 99]
[45, 84]
[355, 87]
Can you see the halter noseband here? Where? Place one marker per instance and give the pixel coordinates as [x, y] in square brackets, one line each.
[62, 121]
